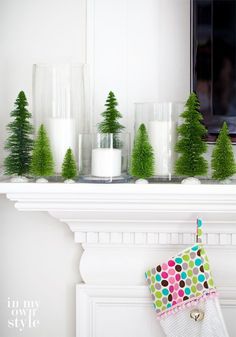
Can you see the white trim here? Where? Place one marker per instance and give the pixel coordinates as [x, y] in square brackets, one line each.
[167, 208]
[90, 53]
[90, 299]
[126, 228]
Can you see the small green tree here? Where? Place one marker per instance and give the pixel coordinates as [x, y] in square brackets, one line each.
[110, 123]
[222, 160]
[142, 161]
[20, 142]
[191, 145]
[69, 169]
[42, 164]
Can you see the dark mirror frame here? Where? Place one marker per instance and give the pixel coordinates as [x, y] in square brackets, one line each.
[213, 63]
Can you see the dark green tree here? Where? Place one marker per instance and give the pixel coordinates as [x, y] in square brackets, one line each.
[142, 161]
[19, 142]
[222, 160]
[110, 122]
[42, 164]
[69, 169]
[191, 145]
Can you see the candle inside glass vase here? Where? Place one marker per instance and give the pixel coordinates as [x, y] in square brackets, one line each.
[162, 136]
[62, 135]
[59, 103]
[106, 157]
[106, 162]
[161, 122]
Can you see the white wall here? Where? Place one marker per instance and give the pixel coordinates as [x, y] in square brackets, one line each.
[33, 32]
[39, 261]
[140, 49]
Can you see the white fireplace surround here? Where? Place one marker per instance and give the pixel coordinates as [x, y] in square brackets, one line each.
[125, 229]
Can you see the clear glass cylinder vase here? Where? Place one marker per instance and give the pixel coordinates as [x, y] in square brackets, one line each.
[104, 157]
[161, 121]
[59, 102]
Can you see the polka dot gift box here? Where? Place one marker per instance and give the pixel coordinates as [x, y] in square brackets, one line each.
[184, 295]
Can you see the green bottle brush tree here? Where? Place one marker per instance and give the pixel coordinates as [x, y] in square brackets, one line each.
[142, 161]
[42, 164]
[20, 142]
[191, 145]
[110, 123]
[69, 169]
[222, 160]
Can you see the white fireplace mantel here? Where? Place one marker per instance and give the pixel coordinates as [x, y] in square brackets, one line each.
[126, 228]
[123, 203]
[128, 208]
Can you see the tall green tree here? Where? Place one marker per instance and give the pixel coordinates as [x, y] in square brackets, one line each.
[110, 123]
[42, 164]
[69, 169]
[222, 160]
[142, 161]
[191, 145]
[20, 142]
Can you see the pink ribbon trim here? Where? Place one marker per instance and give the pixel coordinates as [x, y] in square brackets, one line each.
[186, 304]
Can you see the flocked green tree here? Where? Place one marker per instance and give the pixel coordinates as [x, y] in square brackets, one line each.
[191, 145]
[42, 164]
[142, 161]
[19, 142]
[69, 169]
[110, 122]
[222, 160]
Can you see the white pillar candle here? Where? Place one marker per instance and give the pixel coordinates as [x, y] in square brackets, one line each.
[61, 134]
[162, 136]
[106, 162]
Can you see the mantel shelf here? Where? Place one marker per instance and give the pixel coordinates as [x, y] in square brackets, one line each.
[126, 206]
[117, 189]
[132, 223]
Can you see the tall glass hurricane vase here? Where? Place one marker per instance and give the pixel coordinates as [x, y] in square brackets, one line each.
[59, 103]
[161, 122]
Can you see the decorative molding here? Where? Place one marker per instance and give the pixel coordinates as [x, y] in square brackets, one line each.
[131, 203]
[90, 55]
[125, 229]
[101, 293]
[153, 238]
[129, 214]
[94, 301]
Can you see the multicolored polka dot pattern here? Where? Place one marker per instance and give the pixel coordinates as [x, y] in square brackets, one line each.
[199, 231]
[183, 277]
